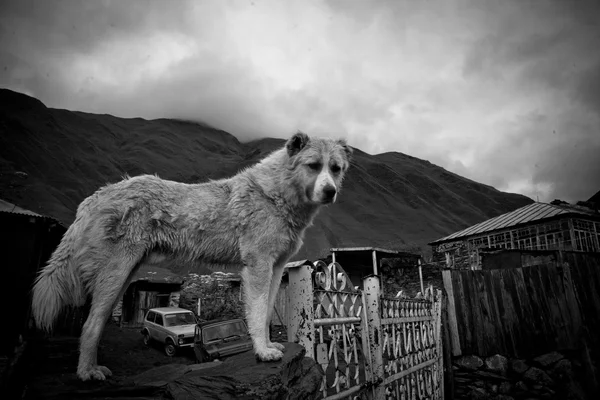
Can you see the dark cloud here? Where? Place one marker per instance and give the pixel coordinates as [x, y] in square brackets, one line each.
[587, 89]
[80, 26]
[505, 93]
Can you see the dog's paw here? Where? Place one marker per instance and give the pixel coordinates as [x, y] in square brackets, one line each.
[278, 346]
[269, 354]
[97, 372]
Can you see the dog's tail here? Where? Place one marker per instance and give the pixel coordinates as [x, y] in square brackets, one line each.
[57, 285]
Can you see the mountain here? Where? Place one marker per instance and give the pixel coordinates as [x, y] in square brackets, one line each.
[595, 198]
[51, 159]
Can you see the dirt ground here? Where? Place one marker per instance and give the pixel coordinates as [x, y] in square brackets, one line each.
[52, 365]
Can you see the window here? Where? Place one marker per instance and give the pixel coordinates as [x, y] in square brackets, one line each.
[150, 316]
[179, 319]
[586, 237]
[159, 320]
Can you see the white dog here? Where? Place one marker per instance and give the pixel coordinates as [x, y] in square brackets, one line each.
[255, 219]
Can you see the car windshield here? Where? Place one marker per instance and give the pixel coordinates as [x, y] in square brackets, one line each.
[180, 319]
[224, 331]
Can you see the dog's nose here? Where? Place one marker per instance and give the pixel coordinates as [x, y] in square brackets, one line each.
[329, 192]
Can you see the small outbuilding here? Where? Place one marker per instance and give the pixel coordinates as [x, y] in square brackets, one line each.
[150, 287]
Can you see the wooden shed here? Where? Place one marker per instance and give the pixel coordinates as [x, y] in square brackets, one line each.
[27, 240]
[150, 287]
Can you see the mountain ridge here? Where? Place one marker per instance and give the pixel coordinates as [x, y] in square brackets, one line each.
[389, 199]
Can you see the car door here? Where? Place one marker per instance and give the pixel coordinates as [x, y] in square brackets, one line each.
[161, 332]
[149, 323]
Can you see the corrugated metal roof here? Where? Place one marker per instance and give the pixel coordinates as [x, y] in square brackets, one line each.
[10, 208]
[529, 213]
[5, 206]
[156, 275]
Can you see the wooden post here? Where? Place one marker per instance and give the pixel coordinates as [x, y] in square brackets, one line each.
[572, 234]
[421, 278]
[375, 266]
[372, 295]
[301, 327]
[453, 325]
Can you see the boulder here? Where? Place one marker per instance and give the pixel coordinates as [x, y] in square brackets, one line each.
[562, 370]
[505, 388]
[239, 377]
[478, 394]
[469, 362]
[497, 363]
[518, 366]
[243, 377]
[548, 359]
[538, 377]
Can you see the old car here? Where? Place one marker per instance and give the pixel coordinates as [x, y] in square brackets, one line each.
[217, 339]
[173, 327]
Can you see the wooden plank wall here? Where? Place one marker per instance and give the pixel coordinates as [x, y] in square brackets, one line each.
[524, 311]
[280, 314]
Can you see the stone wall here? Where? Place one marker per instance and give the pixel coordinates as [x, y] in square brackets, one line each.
[549, 376]
[407, 279]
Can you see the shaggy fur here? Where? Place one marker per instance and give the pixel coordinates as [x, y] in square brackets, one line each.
[255, 220]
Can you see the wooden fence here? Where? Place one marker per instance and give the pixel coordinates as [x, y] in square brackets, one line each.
[522, 311]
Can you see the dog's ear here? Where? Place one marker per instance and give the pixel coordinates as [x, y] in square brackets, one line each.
[347, 149]
[296, 143]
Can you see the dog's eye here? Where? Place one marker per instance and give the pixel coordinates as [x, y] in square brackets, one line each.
[335, 168]
[314, 166]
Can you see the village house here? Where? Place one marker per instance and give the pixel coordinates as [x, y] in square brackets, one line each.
[534, 227]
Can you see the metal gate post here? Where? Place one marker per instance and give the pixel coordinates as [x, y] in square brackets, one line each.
[301, 327]
[372, 293]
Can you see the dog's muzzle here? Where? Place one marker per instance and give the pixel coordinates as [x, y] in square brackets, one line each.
[329, 193]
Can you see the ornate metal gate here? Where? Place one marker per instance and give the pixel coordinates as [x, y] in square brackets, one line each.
[369, 347]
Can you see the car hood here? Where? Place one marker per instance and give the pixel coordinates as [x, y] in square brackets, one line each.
[187, 330]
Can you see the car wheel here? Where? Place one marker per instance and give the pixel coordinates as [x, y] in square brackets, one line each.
[146, 338]
[170, 348]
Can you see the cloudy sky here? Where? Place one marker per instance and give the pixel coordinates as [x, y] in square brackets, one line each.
[506, 93]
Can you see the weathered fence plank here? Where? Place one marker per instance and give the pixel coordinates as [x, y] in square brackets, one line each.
[452, 322]
[525, 310]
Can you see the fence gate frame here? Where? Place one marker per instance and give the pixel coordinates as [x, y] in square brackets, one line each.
[369, 346]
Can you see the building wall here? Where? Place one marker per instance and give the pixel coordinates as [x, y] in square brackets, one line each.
[568, 234]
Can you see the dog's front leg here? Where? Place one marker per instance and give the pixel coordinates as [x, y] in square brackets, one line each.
[273, 292]
[257, 275]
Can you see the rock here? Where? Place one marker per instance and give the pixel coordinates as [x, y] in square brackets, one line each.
[503, 397]
[478, 394]
[469, 362]
[479, 384]
[239, 377]
[548, 359]
[518, 366]
[497, 363]
[489, 375]
[538, 377]
[160, 376]
[493, 389]
[242, 376]
[505, 388]
[562, 370]
[520, 385]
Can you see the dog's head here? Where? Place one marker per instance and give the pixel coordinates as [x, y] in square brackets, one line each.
[319, 166]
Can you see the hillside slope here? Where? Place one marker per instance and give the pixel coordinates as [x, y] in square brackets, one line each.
[52, 159]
